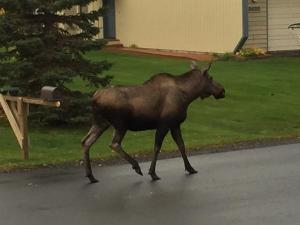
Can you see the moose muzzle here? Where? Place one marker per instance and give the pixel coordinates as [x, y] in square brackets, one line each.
[221, 94]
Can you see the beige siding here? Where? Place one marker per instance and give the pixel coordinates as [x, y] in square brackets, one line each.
[257, 26]
[95, 6]
[281, 15]
[192, 25]
[92, 6]
[72, 11]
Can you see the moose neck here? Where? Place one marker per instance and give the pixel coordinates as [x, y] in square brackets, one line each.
[192, 85]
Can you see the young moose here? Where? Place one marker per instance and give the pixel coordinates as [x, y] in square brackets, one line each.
[160, 103]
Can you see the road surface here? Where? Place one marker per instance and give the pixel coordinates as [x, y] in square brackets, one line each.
[258, 186]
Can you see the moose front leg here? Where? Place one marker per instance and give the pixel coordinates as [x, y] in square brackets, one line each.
[159, 137]
[116, 146]
[176, 134]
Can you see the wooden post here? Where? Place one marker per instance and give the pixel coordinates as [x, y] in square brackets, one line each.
[23, 121]
[11, 119]
[16, 110]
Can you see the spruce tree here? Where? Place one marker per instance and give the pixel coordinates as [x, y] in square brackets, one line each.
[42, 45]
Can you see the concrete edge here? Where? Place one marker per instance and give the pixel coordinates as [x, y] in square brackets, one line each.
[209, 149]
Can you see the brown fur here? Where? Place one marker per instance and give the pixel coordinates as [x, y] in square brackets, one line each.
[160, 103]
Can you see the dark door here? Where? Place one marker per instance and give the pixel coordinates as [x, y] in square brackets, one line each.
[109, 19]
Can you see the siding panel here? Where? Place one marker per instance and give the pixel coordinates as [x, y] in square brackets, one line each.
[281, 15]
[193, 25]
[257, 26]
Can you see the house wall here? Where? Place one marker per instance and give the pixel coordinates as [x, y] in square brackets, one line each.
[193, 25]
[257, 24]
[92, 6]
[95, 6]
[281, 15]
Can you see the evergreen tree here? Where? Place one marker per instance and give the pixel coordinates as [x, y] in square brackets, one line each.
[41, 44]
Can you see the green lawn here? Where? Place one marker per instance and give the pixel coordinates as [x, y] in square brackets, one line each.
[262, 101]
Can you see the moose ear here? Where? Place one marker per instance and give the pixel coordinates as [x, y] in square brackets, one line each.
[194, 65]
[205, 71]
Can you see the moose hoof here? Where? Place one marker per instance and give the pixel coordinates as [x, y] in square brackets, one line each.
[154, 176]
[192, 170]
[137, 170]
[92, 179]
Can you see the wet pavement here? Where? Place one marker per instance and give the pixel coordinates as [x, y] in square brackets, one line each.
[258, 186]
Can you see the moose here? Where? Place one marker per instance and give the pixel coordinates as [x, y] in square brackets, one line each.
[160, 103]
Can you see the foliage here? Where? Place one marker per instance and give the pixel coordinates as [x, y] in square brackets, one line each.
[43, 45]
[251, 52]
[240, 55]
[224, 56]
[134, 46]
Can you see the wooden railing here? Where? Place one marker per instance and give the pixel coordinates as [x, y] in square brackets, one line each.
[16, 110]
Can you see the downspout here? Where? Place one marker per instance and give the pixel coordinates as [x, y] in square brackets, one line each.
[245, 27]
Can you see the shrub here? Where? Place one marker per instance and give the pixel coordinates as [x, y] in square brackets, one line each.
[250, 52]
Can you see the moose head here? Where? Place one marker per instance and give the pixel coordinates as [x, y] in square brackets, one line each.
[211, 87]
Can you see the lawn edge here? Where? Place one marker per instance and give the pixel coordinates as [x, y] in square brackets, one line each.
[144, 157]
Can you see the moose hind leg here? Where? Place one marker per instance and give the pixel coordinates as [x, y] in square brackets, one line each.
[159, 137]
[176, 134]
[116, 146]
[94, 133]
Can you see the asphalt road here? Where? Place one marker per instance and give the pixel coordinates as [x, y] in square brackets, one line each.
[259, 186]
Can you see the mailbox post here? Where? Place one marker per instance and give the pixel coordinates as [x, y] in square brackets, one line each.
[16, 110]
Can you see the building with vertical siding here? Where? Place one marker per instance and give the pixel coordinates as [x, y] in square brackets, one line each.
[201, 25]
[268, 24]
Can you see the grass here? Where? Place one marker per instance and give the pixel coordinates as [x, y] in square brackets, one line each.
[262, 102]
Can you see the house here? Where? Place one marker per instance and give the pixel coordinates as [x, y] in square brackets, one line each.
[268, 22]
[201, 25]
